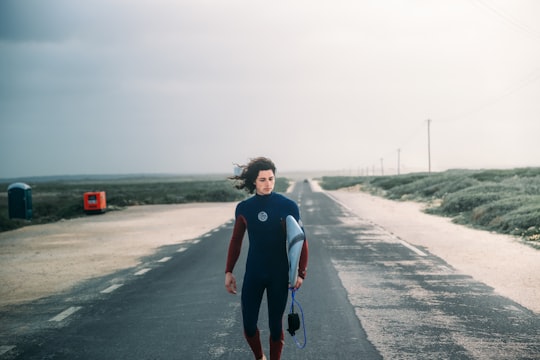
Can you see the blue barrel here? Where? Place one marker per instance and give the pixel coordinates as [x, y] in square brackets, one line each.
[20, 201]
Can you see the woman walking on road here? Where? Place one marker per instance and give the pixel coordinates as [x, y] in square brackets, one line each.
[263, 216]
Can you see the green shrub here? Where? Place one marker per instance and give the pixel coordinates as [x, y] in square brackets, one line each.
[339, 182]
[518, 221]
[454, 185]
[401, 181]
[421, 188]
[459, 203]
[473, 197]
[424, 186]
[506, 201]
[491, 214]
[497, 175]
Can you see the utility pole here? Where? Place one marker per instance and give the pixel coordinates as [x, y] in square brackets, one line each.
[382, 167]
[429, 144]
[398, 160]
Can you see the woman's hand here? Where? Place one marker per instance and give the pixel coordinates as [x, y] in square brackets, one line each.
[299, 282]
[230, 283]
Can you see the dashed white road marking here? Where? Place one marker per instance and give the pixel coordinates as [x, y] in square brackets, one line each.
[198, 240]
[64, 314]
[513, 308]
[182, 249]
[111, 288]
[142, 271]
[164, 259]
[5, 348]
[410, 247]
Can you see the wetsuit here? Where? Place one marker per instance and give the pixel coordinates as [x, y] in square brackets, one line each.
[267, 265]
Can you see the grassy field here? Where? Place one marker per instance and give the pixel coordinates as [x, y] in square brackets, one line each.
[503, 201]
[54, 200]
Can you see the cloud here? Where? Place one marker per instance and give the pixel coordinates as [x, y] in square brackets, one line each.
[184, 86]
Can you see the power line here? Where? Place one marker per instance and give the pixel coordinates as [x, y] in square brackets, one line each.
[531, 78]
[509, 19]
[429, 144]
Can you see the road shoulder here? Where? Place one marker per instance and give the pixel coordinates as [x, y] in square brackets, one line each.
[502, 262]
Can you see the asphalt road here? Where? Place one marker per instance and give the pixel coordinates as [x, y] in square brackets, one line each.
[368, 295]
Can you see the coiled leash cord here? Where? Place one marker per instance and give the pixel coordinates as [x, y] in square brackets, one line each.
[294, 321]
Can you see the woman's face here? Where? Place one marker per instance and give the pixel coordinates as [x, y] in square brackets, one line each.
[264, 184]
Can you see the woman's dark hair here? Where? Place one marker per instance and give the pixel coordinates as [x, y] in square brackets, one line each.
[246, 179]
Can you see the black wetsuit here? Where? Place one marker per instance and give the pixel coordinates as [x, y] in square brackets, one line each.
[267, 265]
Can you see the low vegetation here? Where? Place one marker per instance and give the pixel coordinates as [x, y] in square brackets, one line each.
[54, 200]
[503, 201]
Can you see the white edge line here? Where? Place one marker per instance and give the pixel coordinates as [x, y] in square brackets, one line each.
[64, 314]
[404, 243]
[410, 247]
[338, 201]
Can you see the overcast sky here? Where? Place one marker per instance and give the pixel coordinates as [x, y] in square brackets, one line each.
[193, 86]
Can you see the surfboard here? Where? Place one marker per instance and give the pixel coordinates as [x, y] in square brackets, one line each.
[295, 241]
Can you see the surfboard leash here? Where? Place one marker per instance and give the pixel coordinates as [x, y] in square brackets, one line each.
[294, 321]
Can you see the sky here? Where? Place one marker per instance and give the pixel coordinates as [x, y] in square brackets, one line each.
[194, 86]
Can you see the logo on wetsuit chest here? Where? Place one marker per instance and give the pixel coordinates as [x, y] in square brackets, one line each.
[263, 216]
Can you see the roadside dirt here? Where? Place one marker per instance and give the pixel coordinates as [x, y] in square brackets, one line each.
[42, 260]
[502, 262]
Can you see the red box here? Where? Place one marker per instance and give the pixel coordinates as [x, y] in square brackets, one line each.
[95, 202]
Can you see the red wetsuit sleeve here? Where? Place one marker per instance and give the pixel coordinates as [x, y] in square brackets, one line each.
[302, 264]
[235, 245]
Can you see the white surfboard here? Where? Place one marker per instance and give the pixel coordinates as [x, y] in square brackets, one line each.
[295, 241]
